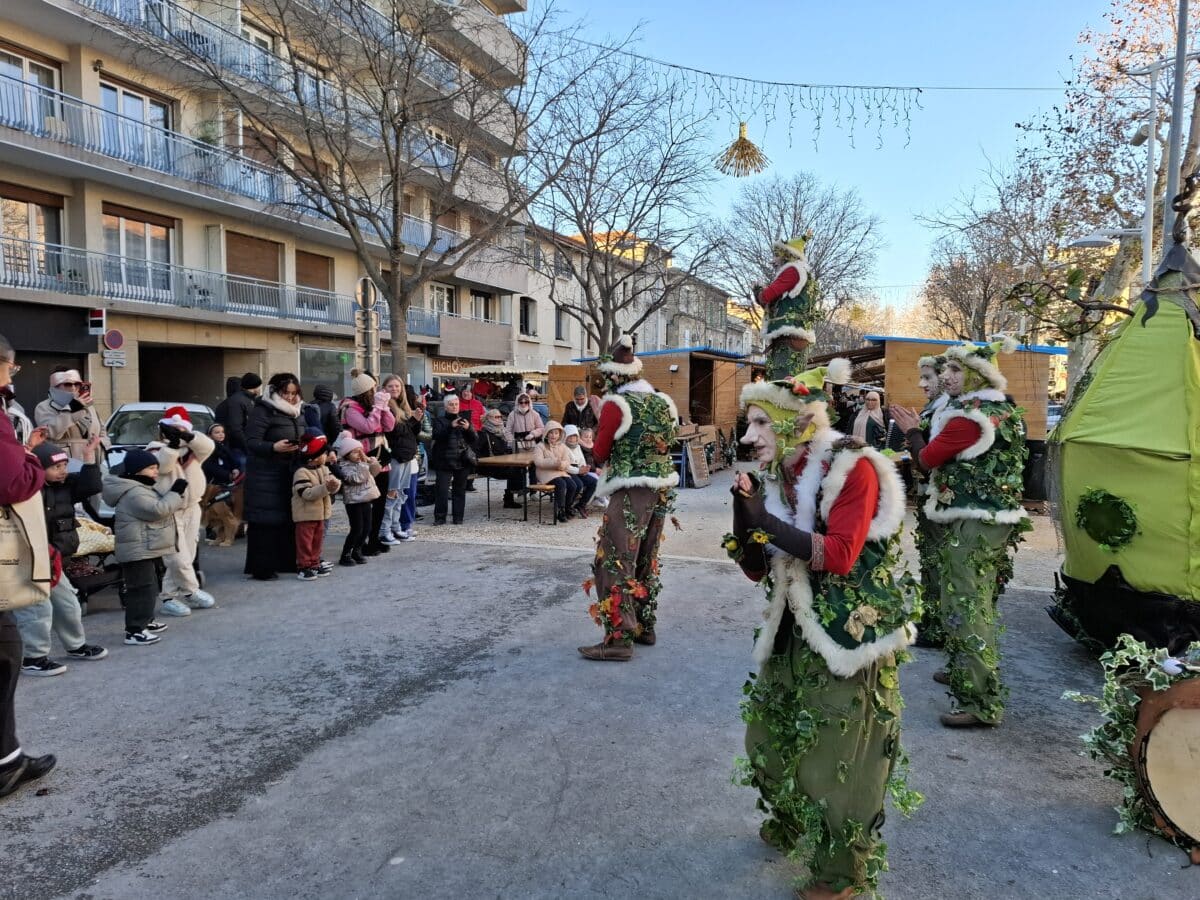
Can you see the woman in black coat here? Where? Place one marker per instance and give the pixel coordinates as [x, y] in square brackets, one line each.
[493, 441]
[273, 435]
[453, 437]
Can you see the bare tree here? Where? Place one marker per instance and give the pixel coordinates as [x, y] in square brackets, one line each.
[841, 254]
[361, 117]
[625, 162]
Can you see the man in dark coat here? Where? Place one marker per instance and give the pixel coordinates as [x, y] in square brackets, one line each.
[579, 412]
[326, 412]
[234, 412]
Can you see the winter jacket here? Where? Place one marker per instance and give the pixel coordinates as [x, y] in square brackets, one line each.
[59, 501]
[21, 477]
[175, 463]
[358, 480]
[218, 468]
[475, 409]
[450, 443]
[489, 444]
[268, 496]
[368, 426]
[234, 413]
[528, 421]
[322, 413]
[311, 501]
[71, 425]
[145, 519]
[402, 439]
[577, 458]
[551, 460]
[580, 418]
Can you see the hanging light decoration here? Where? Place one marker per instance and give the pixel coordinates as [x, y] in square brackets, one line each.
[742, 157]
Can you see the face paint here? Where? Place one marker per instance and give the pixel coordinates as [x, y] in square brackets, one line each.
[760, 436]
[953, 378]
[930, 385]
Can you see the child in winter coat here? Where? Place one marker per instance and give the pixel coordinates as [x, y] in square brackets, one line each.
[61, 612]
[359, 491]
[145, 531]
[312, 489]
[580, 470]
[551, 461]
[181, 454]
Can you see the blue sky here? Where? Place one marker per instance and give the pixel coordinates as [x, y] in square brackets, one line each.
[947, 42]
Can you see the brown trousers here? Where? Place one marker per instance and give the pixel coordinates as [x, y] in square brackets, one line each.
[625, 570]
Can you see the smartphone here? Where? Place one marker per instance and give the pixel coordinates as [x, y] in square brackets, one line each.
[85, 387]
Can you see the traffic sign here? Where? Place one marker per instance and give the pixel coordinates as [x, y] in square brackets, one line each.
[114, 339]
[365, 293]
[113, 362]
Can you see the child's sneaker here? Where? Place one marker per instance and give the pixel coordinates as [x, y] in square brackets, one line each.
[307, 575]
[175, 607]
[324, 567]
[155, 627]
[89, 652]
[42, 666]
[405, 536]
[141, 638]
[200, 600]
[389, 540]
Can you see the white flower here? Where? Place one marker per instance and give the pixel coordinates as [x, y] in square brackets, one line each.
[1172, 666]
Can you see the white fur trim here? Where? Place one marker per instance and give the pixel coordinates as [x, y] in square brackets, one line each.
[987, 435]
[968, 355]
[990, 394]
[781, 397]
[630, 370]
[177, 421]
[640, 386]
[626, 413]
[937, 409]
[1008, 343]
[961, 513]
[839, 371]
[927, 362]
[609, 485]
[790, 331]
[889, 511]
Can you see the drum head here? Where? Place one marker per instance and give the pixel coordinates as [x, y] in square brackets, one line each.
[1172, 761]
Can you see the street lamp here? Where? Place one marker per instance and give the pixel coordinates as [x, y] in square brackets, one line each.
[1105, 238]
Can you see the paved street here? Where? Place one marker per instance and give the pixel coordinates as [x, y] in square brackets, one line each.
[423, 727]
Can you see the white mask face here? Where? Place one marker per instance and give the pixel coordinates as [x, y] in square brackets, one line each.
[760, 436]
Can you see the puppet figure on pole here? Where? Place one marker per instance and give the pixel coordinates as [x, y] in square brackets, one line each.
[789, 309]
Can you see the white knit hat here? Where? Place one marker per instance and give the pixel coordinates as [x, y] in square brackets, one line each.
[360, 383]
[569, 430]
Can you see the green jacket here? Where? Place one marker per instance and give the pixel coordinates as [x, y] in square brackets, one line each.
[641, 452]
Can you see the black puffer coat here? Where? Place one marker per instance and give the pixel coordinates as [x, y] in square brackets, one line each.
[269, 474]
[402, 440]
[234, 413]
[59, 501]
[449, 443]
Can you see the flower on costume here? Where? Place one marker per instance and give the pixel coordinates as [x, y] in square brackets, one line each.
[862, 618]
[759, 536]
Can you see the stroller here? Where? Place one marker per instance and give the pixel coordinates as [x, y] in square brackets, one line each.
[93, 568]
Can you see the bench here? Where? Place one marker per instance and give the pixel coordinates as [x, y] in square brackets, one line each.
[541, 492]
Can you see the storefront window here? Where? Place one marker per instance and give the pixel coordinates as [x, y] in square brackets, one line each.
[328, 367]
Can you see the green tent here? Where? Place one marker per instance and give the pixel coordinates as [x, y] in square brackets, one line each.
[1129, 475]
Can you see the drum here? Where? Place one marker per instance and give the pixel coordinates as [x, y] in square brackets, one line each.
[1166, 756]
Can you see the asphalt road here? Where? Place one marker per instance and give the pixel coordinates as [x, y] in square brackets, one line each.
[423, 727]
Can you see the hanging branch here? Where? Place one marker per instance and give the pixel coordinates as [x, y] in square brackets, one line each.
[1056, 304]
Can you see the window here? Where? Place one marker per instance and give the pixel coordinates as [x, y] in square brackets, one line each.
[483, 306]
[135, 125]
[29, 220]
[562, 265]
[442, 299]
[442, 149]
[27, 89]
[528, 317]
[138, 248]
[259, 59]
[562, 324]
[310, 79]
[533, 253]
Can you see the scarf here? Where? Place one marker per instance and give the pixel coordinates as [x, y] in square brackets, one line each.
[493, 427]
[274, 400]
[860, 421]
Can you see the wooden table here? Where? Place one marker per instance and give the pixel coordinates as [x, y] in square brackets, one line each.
[521, 460]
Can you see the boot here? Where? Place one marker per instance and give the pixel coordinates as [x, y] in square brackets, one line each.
[347, 560]
[608, 652]
[510, 501]
[941, 676]
[647, 637]
[960, 719]
[357, 555]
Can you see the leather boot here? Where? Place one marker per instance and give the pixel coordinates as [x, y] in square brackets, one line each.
[608, 652]
[647, 637]
[941, 676]
[960, 719]
[510, 501]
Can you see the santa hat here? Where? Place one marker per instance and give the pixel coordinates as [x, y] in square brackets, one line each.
[176, 417]
[620, 359]
[313, 445]
[983, 361]
[793, 249]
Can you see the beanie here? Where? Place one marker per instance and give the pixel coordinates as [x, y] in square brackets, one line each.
[322, 393]
[346, 444]
[50, 454]
[250, 381]
[136, 460]
[360, 383]
[313, 445]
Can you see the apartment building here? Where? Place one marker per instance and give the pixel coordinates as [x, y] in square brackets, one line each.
[697, 315]
[125, 188]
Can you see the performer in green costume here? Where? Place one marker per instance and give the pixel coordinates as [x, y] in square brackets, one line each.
[928, 534]
[976, 463]
[819, 527]
[789, 309]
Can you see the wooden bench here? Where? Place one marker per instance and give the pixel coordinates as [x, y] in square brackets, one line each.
[541, 492]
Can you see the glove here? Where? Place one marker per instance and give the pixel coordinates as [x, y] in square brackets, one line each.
[381, 399]
[186, 436]
[171, 435]
[75, 406]
[179, 486]
[751, 512]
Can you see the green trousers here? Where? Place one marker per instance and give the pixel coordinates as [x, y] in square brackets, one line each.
[821, 750]
[974, 557]
[928, 537]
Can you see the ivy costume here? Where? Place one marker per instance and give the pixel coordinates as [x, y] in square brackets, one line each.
[976, 464]
[789, 310]
[633, 441]
[928, 535]
[821, 533]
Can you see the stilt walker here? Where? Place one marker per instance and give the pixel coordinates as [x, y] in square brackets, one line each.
[976, 465]
[789, 309]
[928, 534]
[819, 527]
[633, 441]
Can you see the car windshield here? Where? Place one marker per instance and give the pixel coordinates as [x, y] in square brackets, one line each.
[140, 426]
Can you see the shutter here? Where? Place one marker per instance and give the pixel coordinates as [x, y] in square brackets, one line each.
[314, 270]
[137, 215]
[11, 191]
[252, 257]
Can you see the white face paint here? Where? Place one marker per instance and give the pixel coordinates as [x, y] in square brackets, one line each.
[930, 385]
[952, 378]
[760, 436]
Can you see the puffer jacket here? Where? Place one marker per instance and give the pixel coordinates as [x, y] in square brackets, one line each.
[449, 443]
[59, 501]
[173, 464]
[402, 440]
[551, 460]
[358, 480]
[519, 422]
[311, 501]
[145, 519]
[268, 496]
[234, 413]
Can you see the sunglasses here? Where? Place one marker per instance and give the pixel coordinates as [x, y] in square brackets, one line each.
[70, 384]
